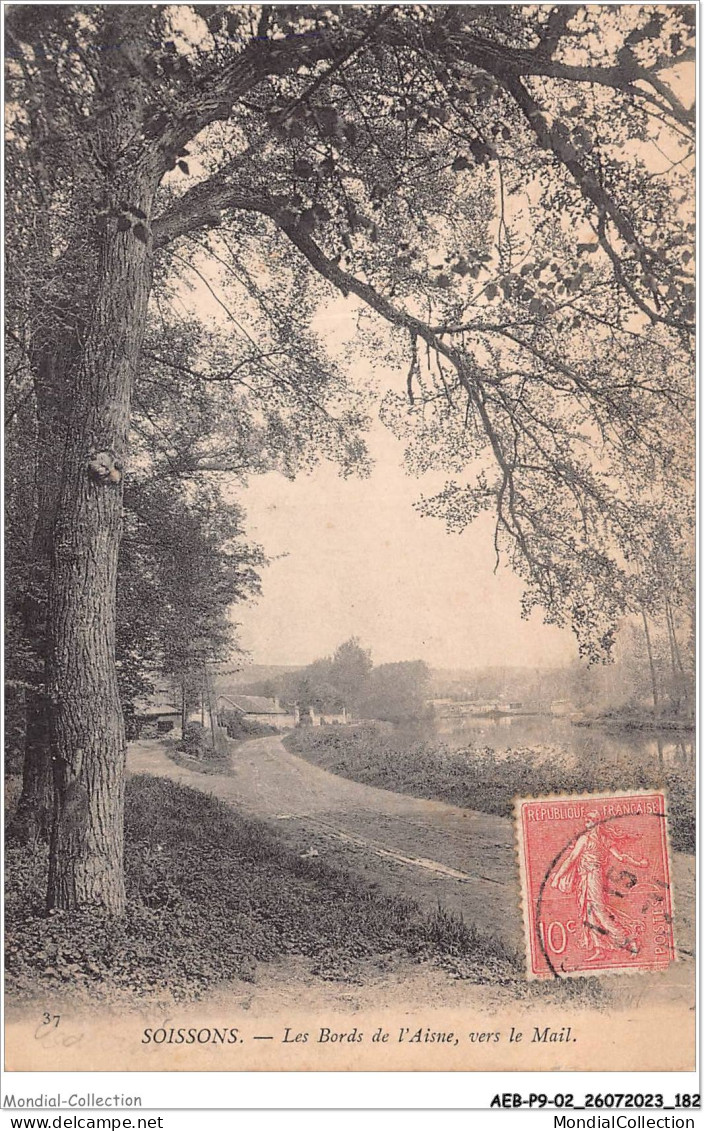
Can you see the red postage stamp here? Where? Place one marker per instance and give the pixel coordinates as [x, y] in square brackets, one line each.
[595, 883]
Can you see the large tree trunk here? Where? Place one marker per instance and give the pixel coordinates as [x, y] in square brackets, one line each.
[87, 730]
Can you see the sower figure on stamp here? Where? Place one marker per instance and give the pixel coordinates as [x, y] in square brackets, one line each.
[589, 865]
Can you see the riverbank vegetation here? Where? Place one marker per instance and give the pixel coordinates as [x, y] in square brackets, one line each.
[637, 719]
[477, 777]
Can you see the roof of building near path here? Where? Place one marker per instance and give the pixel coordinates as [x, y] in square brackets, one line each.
[256, 705]
[157, 704]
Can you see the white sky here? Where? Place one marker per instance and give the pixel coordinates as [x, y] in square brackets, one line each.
[353, 557]
[360, 561]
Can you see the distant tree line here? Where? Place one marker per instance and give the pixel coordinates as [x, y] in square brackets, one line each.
[349, 679]
[651, 673]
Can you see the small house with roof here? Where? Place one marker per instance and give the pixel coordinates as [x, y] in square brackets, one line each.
[259, 709]
[157, 714]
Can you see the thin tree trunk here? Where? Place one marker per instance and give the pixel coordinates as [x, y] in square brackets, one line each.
[676, 648]
[676, 680]
[674, 697]
[653, 676]
[33, 816]
[184, 713]
[677, 655]
[210, 704]
[87, 729]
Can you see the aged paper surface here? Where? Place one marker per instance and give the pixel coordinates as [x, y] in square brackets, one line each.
[349, 541]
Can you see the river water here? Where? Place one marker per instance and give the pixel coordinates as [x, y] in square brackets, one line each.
[580, 744]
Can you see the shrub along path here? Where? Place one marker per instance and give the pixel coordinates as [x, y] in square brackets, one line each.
[429, 851]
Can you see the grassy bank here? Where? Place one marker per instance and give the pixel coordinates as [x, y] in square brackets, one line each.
[476, 778]
[627, 719]
[210, 896]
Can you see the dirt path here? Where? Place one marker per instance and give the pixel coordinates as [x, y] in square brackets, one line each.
[425, 850]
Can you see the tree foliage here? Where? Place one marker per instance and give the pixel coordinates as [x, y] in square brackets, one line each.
[504, 191]
[509, 188]
[184, 564]
[331, 682]
[397, 692]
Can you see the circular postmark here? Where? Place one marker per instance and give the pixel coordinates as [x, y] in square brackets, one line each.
[594, 867]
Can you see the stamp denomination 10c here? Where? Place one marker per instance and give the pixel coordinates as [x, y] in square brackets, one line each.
[595, 884]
